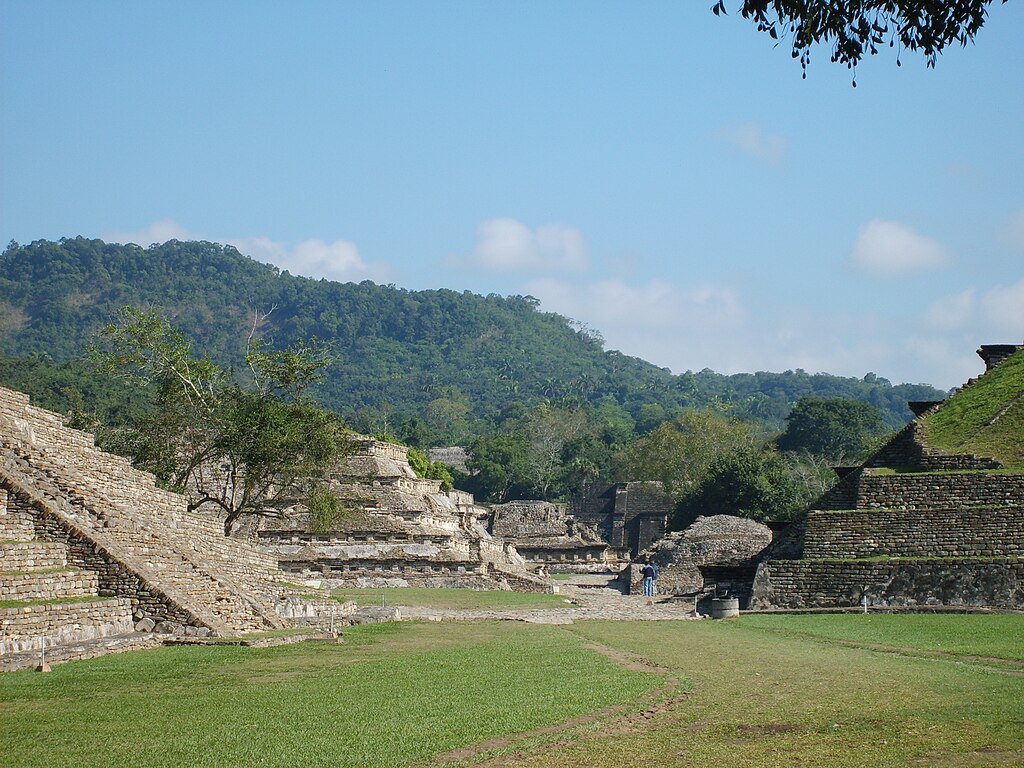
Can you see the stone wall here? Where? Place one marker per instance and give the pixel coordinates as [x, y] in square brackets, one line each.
[628, 516]
[967, 532]
[905, 583]
[950, 531]
[907, 449]
[925, 491]
[521, 519]
[41, 626]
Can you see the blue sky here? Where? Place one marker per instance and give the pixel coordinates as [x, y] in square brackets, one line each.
[661, 174]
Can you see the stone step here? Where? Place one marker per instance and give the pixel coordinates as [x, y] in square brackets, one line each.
[47, 585]
[84, 649]
[17, 556]
[42, 625]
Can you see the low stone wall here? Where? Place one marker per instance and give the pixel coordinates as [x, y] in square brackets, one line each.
[370, 581]
[47, 585]
[925, 491]
[831, 583]
[967, 532]
[399, 568]
[32, 555]
[41, 626]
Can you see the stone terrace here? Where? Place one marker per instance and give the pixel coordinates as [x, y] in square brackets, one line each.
[123, 538]
[910, 527]
[402, 531]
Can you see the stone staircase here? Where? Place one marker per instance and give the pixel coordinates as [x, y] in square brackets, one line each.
[49, 602]
[140, 543]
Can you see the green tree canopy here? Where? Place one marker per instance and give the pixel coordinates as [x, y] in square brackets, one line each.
[246, 450]
[838, 429]
[679, 452]
[747, 482]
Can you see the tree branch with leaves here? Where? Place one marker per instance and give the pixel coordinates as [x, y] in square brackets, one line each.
[247, 449]
[857, 28]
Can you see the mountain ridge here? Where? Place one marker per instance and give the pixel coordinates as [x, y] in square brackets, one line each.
[394, 347]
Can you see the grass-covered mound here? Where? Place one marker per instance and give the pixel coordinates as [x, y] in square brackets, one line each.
[986, 418]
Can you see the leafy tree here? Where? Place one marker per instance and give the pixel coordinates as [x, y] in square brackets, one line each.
[747, 482]
[546, 431]
[396, 350]
[251, 450]
[498, 468]
[834, 428]
[430, 470]
[855, 28]
[679, 452]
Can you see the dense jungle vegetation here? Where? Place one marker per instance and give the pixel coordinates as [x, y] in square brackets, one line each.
[541, 404]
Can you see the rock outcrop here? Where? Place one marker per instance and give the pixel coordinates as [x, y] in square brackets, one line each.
[715, 554]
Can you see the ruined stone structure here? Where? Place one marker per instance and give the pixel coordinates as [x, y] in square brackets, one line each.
[552, 540]
[628, 516]
[401, 531]
[911, 526]
[109, 551]
[717, 555]
[455, 457]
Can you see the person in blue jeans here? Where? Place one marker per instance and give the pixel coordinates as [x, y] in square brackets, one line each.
[650, 573]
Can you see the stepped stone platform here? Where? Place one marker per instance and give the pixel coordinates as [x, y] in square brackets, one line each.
[91, 548]
[912, 526]
[401, 531]
[551, 540]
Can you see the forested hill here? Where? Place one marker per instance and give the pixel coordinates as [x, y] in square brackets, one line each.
[397, 351]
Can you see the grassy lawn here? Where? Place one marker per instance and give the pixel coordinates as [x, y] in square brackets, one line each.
[995, 637]
[389, 695]
[771, 692]
[465, 599]
[758, 691]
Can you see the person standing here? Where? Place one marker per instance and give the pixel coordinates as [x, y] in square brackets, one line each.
[650, 573]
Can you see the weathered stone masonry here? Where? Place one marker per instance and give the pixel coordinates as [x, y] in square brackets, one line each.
[941, 530]
[925, 491]
[936, 581]
[915, 533]
[85, 522]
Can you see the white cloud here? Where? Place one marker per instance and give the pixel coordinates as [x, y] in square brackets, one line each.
[1003, 309]
[951, 311]
[754, 140]
[507, 244]
[716, 326]
[656, 306]
[157, 232]
[338, 260]
[891, 248]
